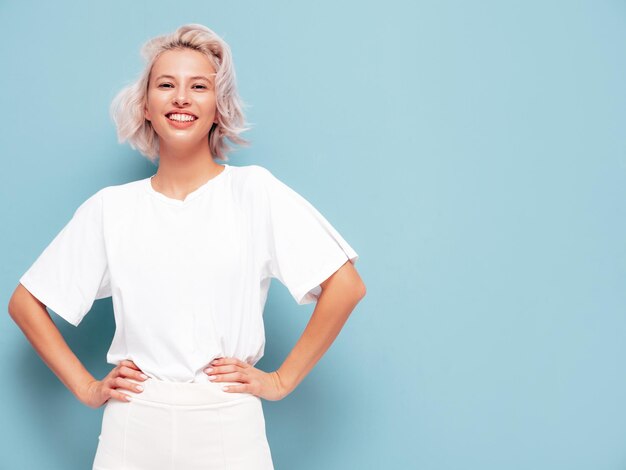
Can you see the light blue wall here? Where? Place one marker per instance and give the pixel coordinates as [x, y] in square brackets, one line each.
[471, 152]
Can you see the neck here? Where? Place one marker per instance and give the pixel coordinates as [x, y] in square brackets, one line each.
[183, 168]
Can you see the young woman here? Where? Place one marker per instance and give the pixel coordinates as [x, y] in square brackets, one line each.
[187, 256]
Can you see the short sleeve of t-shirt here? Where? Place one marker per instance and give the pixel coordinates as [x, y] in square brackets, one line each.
[304, 248]
[71, 272]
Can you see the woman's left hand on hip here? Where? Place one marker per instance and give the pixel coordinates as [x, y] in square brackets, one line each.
[251, 380]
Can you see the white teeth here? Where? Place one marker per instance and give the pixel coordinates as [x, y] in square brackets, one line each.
[181, 117]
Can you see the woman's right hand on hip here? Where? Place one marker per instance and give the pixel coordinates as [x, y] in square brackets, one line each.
[112, 385]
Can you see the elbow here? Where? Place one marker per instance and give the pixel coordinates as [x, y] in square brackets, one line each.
[12, 307]
[358, 291]
[358, 287]
[361, 291]
[20, 302]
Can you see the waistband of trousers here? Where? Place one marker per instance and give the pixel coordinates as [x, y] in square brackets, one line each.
[184, 393]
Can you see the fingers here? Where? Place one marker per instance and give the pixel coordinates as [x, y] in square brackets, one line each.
[223, 368]
[229, 377]
[117, 386]
[239, 388]
[122, 379]
[226, 364]
[128, 385]
[117, 395]
[128, 363]
[126, 371]
[228, 361]
[247, 379]
[114, 387]
[230, 370]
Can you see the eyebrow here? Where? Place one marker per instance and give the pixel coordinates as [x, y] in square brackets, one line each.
[196, 77]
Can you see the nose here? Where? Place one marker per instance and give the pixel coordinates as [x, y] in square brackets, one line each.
[180, 100]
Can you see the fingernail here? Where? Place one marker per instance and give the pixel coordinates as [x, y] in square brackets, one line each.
[211, 377]
[208, 370]
[139, 387]
[143, 376]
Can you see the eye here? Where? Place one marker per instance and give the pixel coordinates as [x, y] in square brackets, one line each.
[169, 85]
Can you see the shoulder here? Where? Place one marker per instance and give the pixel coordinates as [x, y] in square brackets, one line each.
[252, 179]
[250, 173]
[110, 199]
[123, 189]
[120, 194]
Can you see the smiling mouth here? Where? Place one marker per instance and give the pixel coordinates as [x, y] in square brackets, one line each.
[180, 117]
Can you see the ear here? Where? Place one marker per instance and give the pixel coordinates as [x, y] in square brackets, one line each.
[146, 114]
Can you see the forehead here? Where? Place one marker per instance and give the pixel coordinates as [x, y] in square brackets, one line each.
[182, 63]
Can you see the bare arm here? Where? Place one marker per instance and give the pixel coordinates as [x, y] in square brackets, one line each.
[340, 294]
[35, 322]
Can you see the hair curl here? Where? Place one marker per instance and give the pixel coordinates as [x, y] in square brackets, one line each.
[127, 107]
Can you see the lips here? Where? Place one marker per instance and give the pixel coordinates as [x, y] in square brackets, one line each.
[180, 112]
[182, 124]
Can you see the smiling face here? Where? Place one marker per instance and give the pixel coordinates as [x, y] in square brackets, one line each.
[181, 103]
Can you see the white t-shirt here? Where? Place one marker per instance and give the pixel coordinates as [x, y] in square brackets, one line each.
[188, 279]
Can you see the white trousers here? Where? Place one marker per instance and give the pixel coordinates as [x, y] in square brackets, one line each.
[183, 426]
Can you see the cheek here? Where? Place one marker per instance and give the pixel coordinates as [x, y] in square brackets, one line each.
[149, 105]
[154, 105]
[210, 103]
